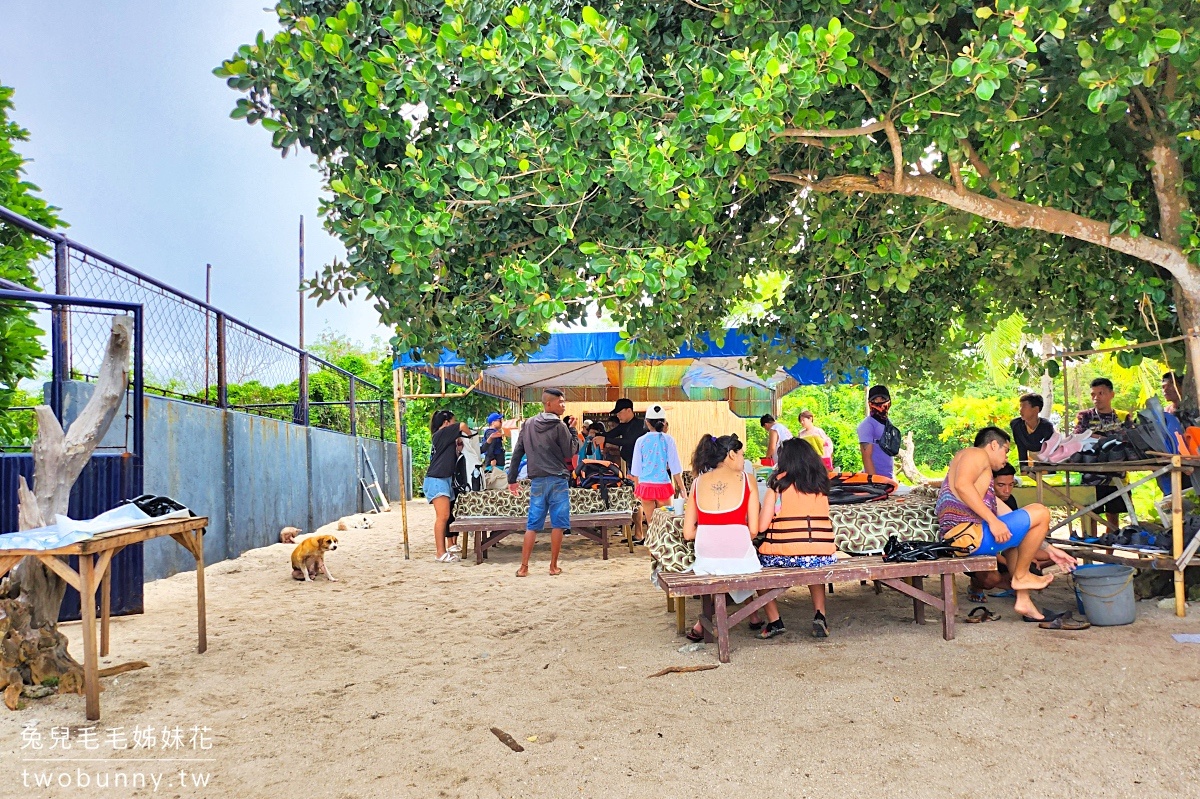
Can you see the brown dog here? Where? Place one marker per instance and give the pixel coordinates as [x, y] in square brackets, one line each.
[308, 558]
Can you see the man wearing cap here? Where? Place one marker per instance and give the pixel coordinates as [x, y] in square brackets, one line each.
[493, 442]
[547, 445]
[876, 460]
[627, 431]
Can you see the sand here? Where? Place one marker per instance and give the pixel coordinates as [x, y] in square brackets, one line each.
[387, 683]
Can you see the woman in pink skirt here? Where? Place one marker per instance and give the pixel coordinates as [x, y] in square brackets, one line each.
[655, 467]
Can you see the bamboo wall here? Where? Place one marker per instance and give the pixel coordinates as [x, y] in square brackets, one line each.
[688, 421]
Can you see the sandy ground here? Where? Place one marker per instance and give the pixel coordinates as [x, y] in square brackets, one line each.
[387, 683]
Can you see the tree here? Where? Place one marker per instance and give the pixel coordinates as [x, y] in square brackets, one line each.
[918, 171]
[20, 338]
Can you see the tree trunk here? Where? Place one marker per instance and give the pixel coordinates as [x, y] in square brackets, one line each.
[908, 463]
[1047, 387]
[31, 648]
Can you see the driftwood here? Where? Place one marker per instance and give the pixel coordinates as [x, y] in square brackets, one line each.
[113, 671]
[908, 464]
[507, 740]
[682, 670]
[32, 651]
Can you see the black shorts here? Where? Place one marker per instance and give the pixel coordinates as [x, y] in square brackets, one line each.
[1113, 505]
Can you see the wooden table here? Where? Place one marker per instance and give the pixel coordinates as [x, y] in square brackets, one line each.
[490, 530]
[95, 555]
[1174, 466]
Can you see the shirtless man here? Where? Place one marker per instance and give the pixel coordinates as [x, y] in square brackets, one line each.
[968, 504]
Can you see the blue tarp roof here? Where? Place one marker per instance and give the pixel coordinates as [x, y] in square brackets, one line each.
[599, 347]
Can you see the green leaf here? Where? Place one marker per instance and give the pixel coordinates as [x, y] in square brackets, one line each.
[737, 141]
[983, 12]
[331, 43]
[1168, 39]
[589, 248]
[467, 145]
[961, 67]
[985, 88]
[591, 17]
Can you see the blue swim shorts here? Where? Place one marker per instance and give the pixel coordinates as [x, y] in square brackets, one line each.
[1017, 523]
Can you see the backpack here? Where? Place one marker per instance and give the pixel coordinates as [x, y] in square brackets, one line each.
[889, 440]
[602, 478]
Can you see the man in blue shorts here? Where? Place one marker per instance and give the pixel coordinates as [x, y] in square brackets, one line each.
[966, 511]
[548, 448]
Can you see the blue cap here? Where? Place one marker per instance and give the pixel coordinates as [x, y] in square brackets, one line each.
[494, 417]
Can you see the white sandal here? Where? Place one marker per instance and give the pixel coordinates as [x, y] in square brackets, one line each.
[454, 548]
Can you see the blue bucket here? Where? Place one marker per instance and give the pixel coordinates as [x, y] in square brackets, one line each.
[1104, 593]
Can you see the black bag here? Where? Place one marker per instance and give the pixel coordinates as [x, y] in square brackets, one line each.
[890, 440]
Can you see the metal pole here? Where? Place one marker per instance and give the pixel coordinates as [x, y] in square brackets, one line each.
[222, 386]
[139, 408]
[302, 406]
[207, 317]
[62, 287]
[400, 460]
[353, 412]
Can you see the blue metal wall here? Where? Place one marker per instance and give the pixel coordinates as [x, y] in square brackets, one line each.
[105, 482]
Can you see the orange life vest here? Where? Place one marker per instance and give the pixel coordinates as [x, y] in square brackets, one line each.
[801, 527]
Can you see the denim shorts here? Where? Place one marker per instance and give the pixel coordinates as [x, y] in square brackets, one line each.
[435, 487]
[549, 494]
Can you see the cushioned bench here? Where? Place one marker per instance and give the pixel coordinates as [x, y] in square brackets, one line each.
[907, 578]
[495, 515]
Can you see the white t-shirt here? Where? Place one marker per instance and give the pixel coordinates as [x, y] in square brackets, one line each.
[781, 429]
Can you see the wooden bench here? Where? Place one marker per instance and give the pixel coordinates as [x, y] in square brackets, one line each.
[907, 578]
[490, 530]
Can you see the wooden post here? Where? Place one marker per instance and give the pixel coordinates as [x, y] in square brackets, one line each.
[105, 607]
[680, 614]
[197, 537]
[949, 604]
[722, 619]
[87, 605]
[1177, 533]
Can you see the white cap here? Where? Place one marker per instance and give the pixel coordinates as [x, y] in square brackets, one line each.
[655, 412]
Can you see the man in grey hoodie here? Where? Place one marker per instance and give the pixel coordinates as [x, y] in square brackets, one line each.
[548, 447]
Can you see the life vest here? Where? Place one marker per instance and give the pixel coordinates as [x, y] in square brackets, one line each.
[848, 488]
[802, 526]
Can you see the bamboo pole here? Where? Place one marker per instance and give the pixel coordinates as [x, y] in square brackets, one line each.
[1177, 533]
[400, 458]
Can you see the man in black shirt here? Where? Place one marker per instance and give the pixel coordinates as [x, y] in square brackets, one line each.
[1030, 430]
[628, 430]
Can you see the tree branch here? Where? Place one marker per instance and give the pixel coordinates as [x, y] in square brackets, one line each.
[828, 133]
[1014, 214]
[956, 174]
[897, 155]
[981, 167]
[875, 65]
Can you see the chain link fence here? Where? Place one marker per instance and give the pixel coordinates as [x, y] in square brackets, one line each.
[195, 352]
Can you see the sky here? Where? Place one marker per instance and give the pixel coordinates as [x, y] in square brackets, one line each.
[130, 136]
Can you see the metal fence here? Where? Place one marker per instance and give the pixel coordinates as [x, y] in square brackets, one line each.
[196, 352]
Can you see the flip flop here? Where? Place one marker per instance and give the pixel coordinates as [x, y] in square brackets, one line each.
[692, 635]
[981, 614]
[1006, 594]
[1047, 615]
[977, 597]
[1065, 622]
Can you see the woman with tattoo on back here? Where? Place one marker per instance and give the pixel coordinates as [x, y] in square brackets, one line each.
[721, 510]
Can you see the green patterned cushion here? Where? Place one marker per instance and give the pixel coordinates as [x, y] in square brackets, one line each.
[502, 503]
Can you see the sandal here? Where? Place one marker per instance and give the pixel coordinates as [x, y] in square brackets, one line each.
[1047, 615]
[977, 597]
[772, 629]
[755, 625]
[981, 614]
[1065, 622]
[692, 635]
[820, 627]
